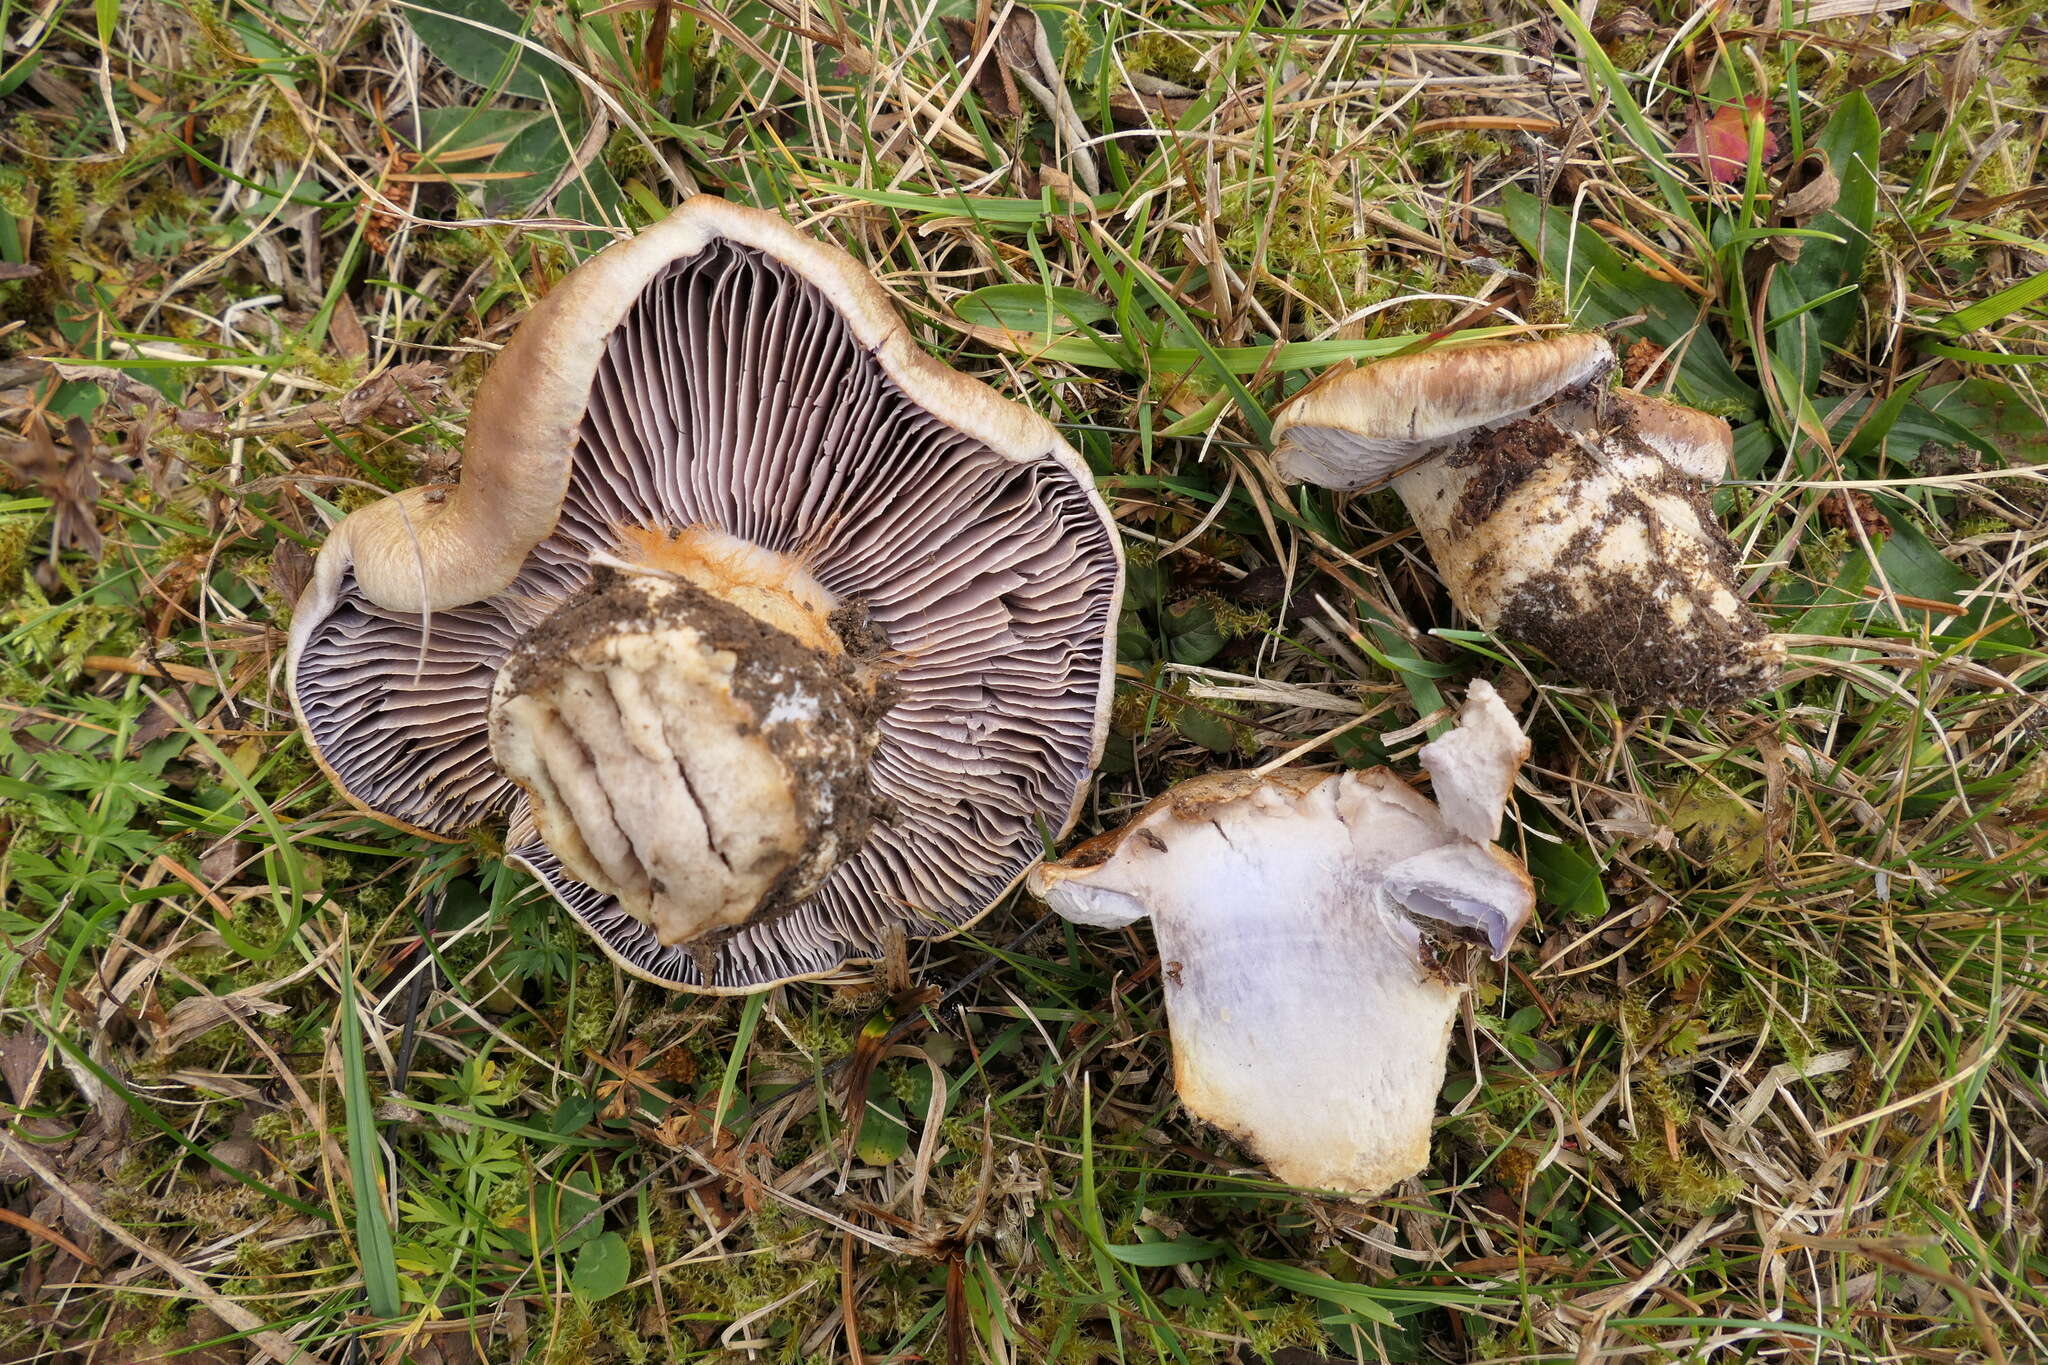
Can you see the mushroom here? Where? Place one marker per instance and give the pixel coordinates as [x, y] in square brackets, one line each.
[768, 634]
[1303, 922]
[1558, 513]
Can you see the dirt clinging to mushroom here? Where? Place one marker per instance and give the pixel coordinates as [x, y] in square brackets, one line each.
[1640, 596]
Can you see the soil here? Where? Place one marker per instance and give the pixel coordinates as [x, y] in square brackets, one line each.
[1625, 642]
[1502, 459]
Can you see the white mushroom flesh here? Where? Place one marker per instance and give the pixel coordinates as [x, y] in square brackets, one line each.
[1294, 916]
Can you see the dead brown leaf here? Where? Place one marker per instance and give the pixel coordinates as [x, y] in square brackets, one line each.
[1844, 508]
[1813, 190]
[1638, 360]
[21, 1061]
[403, 393]
[991, 78]
[1136, 109]
[69, 476]
[347, 330]
[164, 718]
[291, 568]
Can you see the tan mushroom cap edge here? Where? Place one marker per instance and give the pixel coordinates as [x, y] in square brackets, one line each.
[1432, 396]
[1696, 444]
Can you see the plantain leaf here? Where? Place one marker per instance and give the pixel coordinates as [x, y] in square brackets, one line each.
[479, 40]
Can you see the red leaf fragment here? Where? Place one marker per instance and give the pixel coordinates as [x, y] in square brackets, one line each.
[1720, 142]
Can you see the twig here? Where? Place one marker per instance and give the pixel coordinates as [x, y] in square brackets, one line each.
[228, 1311]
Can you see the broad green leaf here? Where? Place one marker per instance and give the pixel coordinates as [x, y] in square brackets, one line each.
[1602, 287]
[1826, 265]
[1913, 566]
[1210, 731]
[1179, 1251]
[1356, 1298]
[563, 1213]
[602, 1268]
[479, 41]
[1873, 429]
[538, 154]
[1996, 308]
[1995, 412]
[1043, 309]
[447, 134]
[1567, 880]
[1839, 602]
[1913, 426]
[594, 196]
[1193, 637]
[884, 1136]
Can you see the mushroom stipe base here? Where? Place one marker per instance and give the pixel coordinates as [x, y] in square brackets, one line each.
[704, 766]
[1657, 626]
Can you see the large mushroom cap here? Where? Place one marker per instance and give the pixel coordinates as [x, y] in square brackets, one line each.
[725, 377]
[1361, 426]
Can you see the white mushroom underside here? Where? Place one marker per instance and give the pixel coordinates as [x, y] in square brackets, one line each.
[991, 579]
[1303, 1019]
[1306, 1020]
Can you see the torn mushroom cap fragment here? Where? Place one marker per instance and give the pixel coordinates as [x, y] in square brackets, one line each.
[768, 634]
[1558, 513]
[1294, 915]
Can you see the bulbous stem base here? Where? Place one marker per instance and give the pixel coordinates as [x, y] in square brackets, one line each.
[698, 763]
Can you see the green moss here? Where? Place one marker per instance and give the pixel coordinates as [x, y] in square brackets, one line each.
[1684, 1180]
[1292, 231]
[15, 542]
[1295, 1326]
[590, 1026]
[1167, 55]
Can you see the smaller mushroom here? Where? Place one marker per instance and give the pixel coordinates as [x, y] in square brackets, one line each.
[1303, 920]
[1559, 513]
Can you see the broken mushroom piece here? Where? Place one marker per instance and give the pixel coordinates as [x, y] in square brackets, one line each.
[1299, 919]
[768, 634]
[1561, 514]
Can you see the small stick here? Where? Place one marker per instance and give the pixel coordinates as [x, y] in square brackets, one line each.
[227, 1310]
[149, 668]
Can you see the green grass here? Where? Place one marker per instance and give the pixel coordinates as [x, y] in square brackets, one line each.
[1765, 1081]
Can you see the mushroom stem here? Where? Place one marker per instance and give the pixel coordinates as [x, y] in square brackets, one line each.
[1305, 1019]
[694, 732]
[1568, 529]
[1557, 513]
[1299, 918]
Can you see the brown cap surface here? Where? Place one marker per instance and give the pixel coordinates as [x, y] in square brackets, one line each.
[1361, 427]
